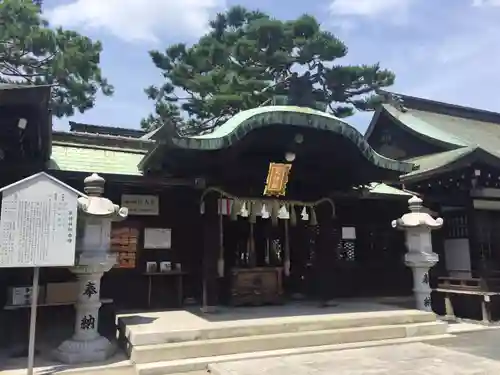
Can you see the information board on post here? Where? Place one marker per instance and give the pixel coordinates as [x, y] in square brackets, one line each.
[38, 223]
[37, 229]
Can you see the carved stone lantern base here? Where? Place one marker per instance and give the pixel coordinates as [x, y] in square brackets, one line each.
[87, 345]
[72, 351]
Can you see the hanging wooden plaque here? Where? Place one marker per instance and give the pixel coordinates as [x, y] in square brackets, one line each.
[277, 178]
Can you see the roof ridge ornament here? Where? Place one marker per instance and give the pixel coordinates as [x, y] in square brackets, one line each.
[395, 100]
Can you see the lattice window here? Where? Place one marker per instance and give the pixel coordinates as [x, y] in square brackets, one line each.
[488, 234]
[347, 250]
[456, 225]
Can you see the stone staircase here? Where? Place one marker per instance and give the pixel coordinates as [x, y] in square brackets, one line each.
[191, 349]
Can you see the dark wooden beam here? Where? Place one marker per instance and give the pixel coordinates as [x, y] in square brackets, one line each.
[146, 181]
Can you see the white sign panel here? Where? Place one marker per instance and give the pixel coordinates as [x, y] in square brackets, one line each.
[38, 223]
[141, 205]
[157, 238]
[348, 233]
[457, 257]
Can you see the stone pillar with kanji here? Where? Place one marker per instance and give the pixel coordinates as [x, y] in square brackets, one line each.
[418, 226]
[93, 258]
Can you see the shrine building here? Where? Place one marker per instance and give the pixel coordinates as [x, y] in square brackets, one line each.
[455, 151]
[279, 203]
[222, 233]
[205, 228]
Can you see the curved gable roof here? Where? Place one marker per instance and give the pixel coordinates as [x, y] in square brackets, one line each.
[244, 122]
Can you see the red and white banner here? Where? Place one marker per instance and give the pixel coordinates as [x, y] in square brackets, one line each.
[225, 206]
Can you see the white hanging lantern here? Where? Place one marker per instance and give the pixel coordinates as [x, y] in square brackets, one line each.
[304, 215]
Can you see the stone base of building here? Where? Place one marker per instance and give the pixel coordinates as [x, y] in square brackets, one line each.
[209, 309]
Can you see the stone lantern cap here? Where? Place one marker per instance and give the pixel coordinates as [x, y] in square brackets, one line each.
[95, 205]
[416, 217]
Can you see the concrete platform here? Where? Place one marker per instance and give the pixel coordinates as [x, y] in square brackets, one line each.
[176, 341]
[187, 342]
[407, 359]
[117, 365]
[187, 366]
[148, 328]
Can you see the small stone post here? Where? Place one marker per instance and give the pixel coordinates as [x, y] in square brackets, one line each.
[419, 257]
[95, 214]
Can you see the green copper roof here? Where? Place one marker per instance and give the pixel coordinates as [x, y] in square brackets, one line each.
[80, 157]
[470, 132]
[433, 163]
[449, 160]
[413, 121]
[244, 122]
[378, 188]
[467, 138]
[95, 159]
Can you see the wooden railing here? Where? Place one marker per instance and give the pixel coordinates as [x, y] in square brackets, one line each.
[480, 284]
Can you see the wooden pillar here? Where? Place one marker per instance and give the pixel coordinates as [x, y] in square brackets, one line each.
[477, 263]
[486, 309]
[211, 246]
[299, 257]
[448, 305]
[272, 233]
[327, 243]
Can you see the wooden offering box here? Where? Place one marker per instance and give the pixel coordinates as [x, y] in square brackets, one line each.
[256, 286]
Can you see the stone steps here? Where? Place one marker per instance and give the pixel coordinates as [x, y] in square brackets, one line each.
[243, 328]
[178, 342]
[200, 365]
[276, 341]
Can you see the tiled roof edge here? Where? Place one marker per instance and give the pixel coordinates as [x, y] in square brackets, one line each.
[455, 110]
[90, 139]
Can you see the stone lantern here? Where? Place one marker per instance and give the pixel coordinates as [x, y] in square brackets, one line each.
[95, 215]
[419, 256]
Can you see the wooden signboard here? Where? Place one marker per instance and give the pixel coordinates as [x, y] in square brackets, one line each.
[277, 178]
[141, 205]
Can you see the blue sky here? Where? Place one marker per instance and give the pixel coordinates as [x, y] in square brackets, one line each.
[447, 50]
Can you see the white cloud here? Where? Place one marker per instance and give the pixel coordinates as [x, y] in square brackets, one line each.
[480, 3]
[447, 54]
[461, 68]
[367, 8]
[137, 20]
[347, 14]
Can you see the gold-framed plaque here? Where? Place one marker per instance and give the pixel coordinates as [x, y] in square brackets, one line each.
[277, 178]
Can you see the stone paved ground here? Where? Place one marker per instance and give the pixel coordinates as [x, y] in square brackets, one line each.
[467, 354]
